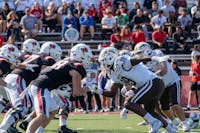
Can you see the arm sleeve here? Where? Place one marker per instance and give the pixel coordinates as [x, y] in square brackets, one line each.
[5, 67]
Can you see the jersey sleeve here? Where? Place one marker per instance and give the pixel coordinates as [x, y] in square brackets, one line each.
[5, 67]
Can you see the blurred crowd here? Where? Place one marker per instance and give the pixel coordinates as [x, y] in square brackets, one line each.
[154, 21]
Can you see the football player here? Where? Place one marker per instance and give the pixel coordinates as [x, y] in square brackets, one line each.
[62, 72]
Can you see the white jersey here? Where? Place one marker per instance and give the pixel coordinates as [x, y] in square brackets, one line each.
[171, 77]
[126, 74]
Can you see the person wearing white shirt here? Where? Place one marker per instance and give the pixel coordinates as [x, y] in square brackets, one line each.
[21, 5]
[158, 20]
[56, 2]
[167, 8]
[195, 11]
[161, 3]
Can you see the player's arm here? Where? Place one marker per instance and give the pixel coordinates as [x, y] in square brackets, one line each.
[3, 83]
[76, 83]
[162, 68]
[135, 61]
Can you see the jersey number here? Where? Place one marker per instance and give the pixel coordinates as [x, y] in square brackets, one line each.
[60, 64]
[127, 81]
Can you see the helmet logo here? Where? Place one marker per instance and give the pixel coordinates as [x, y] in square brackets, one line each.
[11, 49]
[34, 44]
[84, 50]
[52, 46]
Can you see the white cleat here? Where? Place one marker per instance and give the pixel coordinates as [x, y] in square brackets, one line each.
[3, 131]
[155, 126]
[143, 123]
[185, 127]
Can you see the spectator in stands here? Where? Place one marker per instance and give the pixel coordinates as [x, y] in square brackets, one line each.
[29, 25]
[21, 5]
[115, 38]
[62, 12]
[178, 4]
[11, 40]
[86, 24]
[148, 4]
[92, 11]
[108, 24]
[51, 17]
[2, 22]
[57, 3]
[171, 23]
[38, 13]
[185, 21]
[159, 38]
[85, 3]
[1, 41]
[140, 19]
[69, 22]
[5, 10]
[167, 8]
[133, 11]
[161, 3]
[10, 3]
[40, 2]
[180, 38]
[158, 20]
[195, 79]
[138, 35]
[78, 11]
[103, 2]
[126, 38]
[195, 11]
[13, 25]
[116, 4]
[122, 8]
[154, 10]
[104, 5]
[121, 19]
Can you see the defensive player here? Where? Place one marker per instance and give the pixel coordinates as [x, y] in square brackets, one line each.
[63, 72]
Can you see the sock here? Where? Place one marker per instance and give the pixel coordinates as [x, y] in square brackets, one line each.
[39, 130]
[28, 132]
[199, 106]
[149, 118]
[6, 123]
[188, 106]
[63, 122]
[28, 118]
[175, 122]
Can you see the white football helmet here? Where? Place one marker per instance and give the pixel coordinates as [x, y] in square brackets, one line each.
[52, 49]
[107, 57]
[10, 52]
[81, 53]
[158, 52]
[143, 49]
[125, 52]
[32, 46]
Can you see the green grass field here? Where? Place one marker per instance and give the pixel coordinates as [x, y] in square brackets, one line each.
[103, 123]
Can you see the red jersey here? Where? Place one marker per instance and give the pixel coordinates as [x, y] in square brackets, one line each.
[1, 41]
[159, 36]
[138, 37]
[37, 13]
[92, 13]
[195, 67]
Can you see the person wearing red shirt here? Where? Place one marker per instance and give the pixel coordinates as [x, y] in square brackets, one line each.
[115, 38]
[195, 81]
[92, 11]
[138, 35]
[159, 38]
[38, 13]
[104, 4]
[126, 38]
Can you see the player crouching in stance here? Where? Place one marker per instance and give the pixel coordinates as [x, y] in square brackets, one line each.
[63, 72]
[148, 87]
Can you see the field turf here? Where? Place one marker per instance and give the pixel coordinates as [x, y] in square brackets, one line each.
[103, 123]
